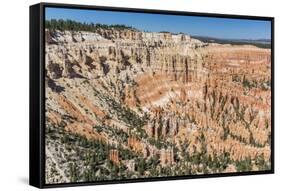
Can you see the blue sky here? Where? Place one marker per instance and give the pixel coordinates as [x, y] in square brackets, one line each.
[193, 25]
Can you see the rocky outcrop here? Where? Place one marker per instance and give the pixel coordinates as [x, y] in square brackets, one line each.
[167, 157]
[165, 99]
[114, 156]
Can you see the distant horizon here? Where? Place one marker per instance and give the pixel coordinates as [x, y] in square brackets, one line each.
[220, 28]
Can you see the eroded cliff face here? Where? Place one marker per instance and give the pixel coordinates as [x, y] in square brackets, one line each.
[183, 104]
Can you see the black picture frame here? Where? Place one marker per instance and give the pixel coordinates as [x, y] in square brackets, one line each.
[37, 93]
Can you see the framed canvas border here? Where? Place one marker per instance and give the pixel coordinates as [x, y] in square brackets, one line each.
[37, 94]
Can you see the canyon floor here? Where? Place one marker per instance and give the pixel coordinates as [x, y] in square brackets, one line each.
[125, 104]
